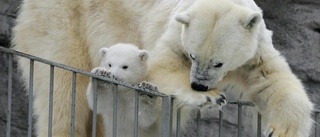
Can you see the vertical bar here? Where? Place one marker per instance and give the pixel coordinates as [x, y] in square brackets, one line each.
[9, 96]
[136, 111]
[317, 119]
[239, 120]
[51, 100]
[95, 100]
[178, 122]
[220, 122]
[115, 105]
[30, 96]
[259, 125]
[73, 104]
[166, 125]
[198, 123]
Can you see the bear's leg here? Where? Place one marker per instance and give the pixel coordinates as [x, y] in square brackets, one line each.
[61, 113]
[288, 110]
[62, 96]
[171, 72]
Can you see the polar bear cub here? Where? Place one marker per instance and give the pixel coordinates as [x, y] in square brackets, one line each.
[126, 63]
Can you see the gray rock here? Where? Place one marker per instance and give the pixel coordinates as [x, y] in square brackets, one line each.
[296, 27]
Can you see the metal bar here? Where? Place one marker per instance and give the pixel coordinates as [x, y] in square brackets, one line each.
[30, 96]
[59, 65]
[115, 106]
[317, 124]
[136, 111]
[95, 100]
[51, 100]
[198, 123]
[259, 125]
[178, 122]
[8, 132]
[73, 104]
[243, 103]
[239, 120]
[220, 122]
[166, 125]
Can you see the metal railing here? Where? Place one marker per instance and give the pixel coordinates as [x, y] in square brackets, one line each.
[167, 101]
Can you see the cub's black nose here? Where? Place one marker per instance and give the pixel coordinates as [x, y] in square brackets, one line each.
[198, 87]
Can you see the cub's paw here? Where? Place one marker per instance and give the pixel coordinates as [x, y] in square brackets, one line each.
[148, 86]
[100, 71]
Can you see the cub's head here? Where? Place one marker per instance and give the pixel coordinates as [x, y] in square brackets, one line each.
[218, 36]
[126, 62]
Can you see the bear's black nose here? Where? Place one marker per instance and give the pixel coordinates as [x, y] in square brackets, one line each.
[198, 87]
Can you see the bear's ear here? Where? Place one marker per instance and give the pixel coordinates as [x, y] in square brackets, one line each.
[252, 19]
[104, 51]
[183, 18]
[143, 55]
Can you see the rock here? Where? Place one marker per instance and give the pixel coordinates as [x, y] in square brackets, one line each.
[296, 27]
[8, 13]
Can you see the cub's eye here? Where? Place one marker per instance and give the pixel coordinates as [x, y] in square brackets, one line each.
[219, 65]
[124, 67]
[109, 65]
[192, 57]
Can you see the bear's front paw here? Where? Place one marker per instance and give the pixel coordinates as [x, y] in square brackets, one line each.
[211, 98]
[213, 101]
[149, 86]
[100, 71]
[111, 76]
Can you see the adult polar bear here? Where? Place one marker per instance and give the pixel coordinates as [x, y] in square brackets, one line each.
[217, 43]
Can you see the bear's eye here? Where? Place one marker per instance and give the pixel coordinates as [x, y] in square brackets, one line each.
[109, 65]
[191, 57]
[219, 65]
[124, 67]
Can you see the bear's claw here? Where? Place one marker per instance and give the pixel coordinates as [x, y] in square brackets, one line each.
[148, 85]
[100, 71]
[221, 101]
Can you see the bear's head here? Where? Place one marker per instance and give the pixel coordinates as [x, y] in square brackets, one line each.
[126, 62]
[218, 36]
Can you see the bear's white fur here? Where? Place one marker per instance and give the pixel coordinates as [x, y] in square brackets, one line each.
[231, 32]
[125, 63]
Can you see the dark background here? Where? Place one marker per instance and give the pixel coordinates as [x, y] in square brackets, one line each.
[296, 27]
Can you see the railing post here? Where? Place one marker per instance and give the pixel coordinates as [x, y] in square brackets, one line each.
[51, 100]
[239, 120]
[73, 104]
[166, 126]
[259, 125]
[30, 96]
[198, 122]
[178, 126]
[95, 100]
[317, 123]
[9, 96]
[115, 106]
[220, 122]
[136, 111]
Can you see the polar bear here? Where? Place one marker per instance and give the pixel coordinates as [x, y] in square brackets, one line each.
[193, 52]
[225, 43]
[125, 63]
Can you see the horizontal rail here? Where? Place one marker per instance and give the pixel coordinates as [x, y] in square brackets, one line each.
[59, 65]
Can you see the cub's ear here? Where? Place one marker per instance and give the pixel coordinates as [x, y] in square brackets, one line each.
[143, 55]
[183, 18]
[252, 19]
[104, 51]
